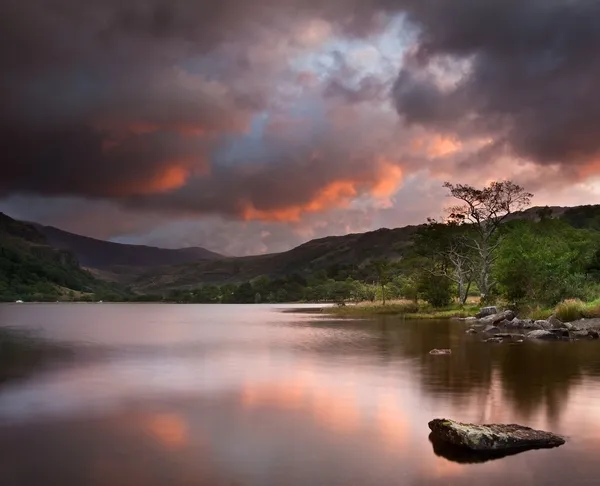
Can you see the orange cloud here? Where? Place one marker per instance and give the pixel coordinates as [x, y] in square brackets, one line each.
[336, 194]
[390, 178]
[168, 179]
[436, 146]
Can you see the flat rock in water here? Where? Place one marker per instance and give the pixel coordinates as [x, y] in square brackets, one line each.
[491, 329]
[541, 334]
[492, 437]
[440, 352]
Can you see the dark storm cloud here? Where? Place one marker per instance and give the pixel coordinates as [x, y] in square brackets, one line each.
[137, 101]
[531, 79]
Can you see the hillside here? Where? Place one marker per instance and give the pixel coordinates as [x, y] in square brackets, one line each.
[154, 270]
[103, 255]
[332, 255]
[31, 269]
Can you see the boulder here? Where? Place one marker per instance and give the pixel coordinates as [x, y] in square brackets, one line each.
[514, 324]
[541, 334]
[440, 352]
[530, 324]
[495, 319]
[487, 311]
[555, 322]
[561, 333]
[471, 331]
[541, 324]
[492, 437]
[583, 334]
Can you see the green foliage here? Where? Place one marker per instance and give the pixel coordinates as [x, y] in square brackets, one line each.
[437, 290]
[40, 273]
[543, 262]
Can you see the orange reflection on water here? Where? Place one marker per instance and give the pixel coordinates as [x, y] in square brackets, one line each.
[334, 408]
[168, 428]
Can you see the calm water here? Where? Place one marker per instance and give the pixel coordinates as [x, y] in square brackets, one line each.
[251, 395]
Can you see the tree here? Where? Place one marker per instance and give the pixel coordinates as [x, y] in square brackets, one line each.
[485, 210]
[446, 253]
[543, 262]
[382, 270]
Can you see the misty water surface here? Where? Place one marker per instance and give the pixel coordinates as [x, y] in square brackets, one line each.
[251, 395]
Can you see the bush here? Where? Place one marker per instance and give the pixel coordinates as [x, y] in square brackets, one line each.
[570, 310]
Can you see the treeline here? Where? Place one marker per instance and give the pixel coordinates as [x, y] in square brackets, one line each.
[520, 262]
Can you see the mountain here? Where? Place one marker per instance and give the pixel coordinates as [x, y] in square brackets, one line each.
[32, 269]
[104, 255]
[333, 254]
[147, 269]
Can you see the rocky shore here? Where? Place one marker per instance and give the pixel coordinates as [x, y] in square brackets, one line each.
[503, 326]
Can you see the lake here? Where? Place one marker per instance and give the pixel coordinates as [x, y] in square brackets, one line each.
[256, 395]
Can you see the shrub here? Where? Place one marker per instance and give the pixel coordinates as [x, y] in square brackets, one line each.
[570, 310]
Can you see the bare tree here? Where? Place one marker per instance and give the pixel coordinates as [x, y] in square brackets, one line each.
[485, 210]
[444, 247]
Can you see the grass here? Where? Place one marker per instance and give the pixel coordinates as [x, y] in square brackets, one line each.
[409, 310]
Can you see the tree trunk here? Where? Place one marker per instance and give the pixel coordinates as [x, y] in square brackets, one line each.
[383, 293]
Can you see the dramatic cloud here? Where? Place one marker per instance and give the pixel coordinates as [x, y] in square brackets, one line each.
[524, 73]
[274, 118]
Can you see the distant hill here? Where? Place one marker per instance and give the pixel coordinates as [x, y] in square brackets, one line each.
[104, 255]
[332, 254]
[147, 269]
[32, 269]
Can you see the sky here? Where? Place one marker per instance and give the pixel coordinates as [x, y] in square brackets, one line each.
[253, 126]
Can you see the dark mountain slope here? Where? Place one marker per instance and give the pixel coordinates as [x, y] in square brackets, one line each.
[31, 269]
[330, 254]
[103, 255]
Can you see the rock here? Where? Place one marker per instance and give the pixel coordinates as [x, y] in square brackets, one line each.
[487, 311]
[541, 334]
[541, 324]
[491, 329]
[594, 334]
[494, 340]
[514, 324]
[561, 333]
[506, 335]
[529, 324]
[471, 331]
[580, 334]
[440, 352]
[555, 322]
[492, 437]
[495, 319]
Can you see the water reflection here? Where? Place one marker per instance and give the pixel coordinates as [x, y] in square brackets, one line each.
[258, 398]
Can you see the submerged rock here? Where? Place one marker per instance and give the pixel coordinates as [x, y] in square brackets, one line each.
[491, 329]
[440, 352]
[494, 339]
[492, 437]
[541, 334]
